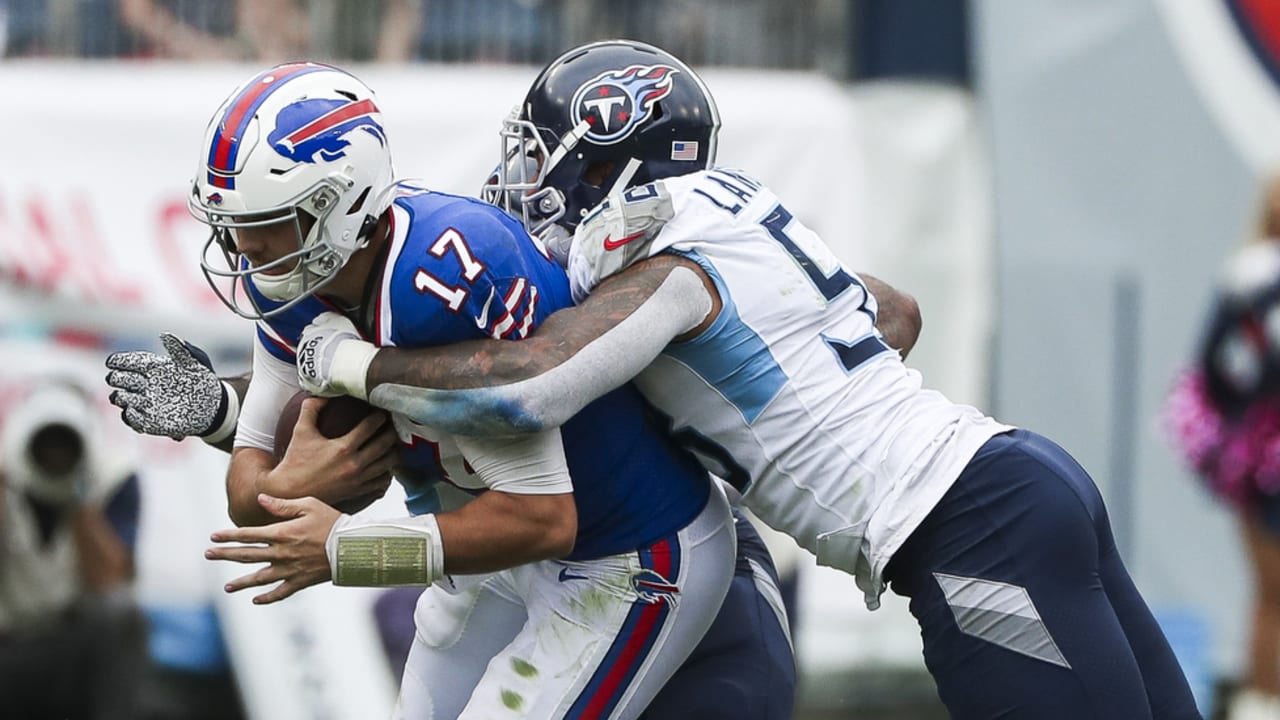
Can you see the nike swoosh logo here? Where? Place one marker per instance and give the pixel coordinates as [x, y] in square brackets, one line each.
[566, 575]
[611, 244]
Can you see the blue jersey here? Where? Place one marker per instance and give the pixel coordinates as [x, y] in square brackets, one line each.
[459, 269]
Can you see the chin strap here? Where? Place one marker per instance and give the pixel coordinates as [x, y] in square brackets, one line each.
[624, 178]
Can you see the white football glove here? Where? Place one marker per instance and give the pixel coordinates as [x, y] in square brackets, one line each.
[616, 234]
[176, 396]
[332, 357]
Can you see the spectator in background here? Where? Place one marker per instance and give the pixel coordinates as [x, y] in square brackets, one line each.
[276, 30]
[363, 30]
[219, 29]
[71, 639]
[1224, 415]
[497, 31]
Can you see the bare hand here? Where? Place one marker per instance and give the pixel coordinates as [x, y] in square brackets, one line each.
[336, 470]
[292, 547]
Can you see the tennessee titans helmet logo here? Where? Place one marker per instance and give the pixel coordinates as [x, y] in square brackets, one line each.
[614, 103]
[653, 588]
[308, 128]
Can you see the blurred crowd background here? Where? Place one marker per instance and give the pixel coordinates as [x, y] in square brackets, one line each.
[1058, 184]
[719, 32]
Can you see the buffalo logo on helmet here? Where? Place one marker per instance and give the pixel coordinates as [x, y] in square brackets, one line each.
[616, 102]
[652, 587]
[320, 126]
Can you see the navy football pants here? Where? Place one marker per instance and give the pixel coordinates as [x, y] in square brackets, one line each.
[744, 668]
[1025, 608]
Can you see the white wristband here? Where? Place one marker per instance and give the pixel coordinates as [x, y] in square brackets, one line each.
[385, 553]
[351, 361]
[229, 419]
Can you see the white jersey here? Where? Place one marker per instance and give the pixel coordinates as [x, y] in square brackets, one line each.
[790, 394]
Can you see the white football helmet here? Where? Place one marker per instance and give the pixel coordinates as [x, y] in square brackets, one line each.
[298, 139]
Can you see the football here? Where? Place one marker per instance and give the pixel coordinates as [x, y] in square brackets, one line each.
[337, 417]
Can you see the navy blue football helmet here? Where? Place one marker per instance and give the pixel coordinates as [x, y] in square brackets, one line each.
[600, 117]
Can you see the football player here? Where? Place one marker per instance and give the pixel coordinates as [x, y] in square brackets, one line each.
[783, 385]
[606, 584]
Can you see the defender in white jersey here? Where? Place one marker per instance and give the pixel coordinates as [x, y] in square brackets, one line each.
[784, 381]
[998, 537]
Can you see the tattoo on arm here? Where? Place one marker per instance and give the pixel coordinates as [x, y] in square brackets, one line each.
[484, 363]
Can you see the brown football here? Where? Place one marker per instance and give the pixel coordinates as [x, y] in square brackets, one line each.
[337, 418]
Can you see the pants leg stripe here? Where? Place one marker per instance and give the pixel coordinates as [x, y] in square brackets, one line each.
[640, 630]
[1000, 613]
[772, 595]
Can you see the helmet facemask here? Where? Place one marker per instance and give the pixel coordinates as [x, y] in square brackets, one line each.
[312, 266]
[518, 184]
[523, 184]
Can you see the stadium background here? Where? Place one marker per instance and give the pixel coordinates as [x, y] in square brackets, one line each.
[1055, 181]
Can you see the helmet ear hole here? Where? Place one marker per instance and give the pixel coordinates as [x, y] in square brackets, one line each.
[359, 203]
[597, 173]
[367, 227]
[306, 222]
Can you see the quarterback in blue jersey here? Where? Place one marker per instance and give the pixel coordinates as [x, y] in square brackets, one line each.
[768, 358]
[616, 574]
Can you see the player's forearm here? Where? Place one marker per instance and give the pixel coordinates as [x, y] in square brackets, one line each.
[528, 514]
[500, 530]
[488, 363]
[576, 356]
[494, 532]
[246, 478]
[898, 318]
[253, 472]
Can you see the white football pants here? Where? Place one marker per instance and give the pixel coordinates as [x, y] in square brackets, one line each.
[557, 639]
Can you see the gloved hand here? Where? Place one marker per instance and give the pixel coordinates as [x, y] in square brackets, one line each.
[332, 357]
[616, 234]
[177, 395]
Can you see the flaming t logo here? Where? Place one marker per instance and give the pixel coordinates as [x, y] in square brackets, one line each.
[616, 102]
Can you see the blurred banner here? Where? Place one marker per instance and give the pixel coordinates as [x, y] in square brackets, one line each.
[93, 222]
